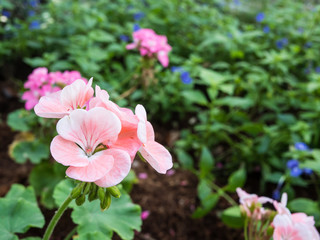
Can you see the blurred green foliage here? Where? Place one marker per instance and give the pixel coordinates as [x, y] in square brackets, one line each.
[255, 89]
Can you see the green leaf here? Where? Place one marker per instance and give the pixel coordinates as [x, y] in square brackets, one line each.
[91, 236]
[62, 191]
[210, 77]
[232, 217]
[236, 179]
[206, 162]
[101, 36]
[195, 96]
[185, 159]
[44, 177]
[34, 151]
[243, 103]
[21, 120]
[18, 212]
[207, 204]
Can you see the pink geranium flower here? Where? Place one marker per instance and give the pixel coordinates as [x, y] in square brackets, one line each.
[154, 153]
[85, 143]
[61, 103]
[151, 45]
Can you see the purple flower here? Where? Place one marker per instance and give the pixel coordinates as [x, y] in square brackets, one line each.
[6, 13]
[145, 214]
[308, 45]
[33, 3]
[176, 69]
[276, 194]
[296, 172]
[138, 16]
[136, 27]
[143, 175]
[307, 171]
[34, 25]
[185, 78]
[292, 163]
[317, 69]
[124, 38]
[260, 17]
[266, 29]
[229, 35]
[301, 146]
[282, 43]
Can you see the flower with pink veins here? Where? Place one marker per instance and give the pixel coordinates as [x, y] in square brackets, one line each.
[127, 139]
[154, 153]
[61, 103]
[84, 144]
[297, 226]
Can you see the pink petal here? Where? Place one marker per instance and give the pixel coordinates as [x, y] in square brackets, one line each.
[163, 59]
[68, 153]
[99, 164]
[157, 156]
[77, 94]
[141, 113]
[90, 128]
[128, 141]
[120, 169]
[50, 106]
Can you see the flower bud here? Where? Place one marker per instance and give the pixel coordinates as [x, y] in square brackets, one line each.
[105, 204]
[93, 195]
[101, 194]
[81, 199]
[75, 193]
[87, 188]
[114, 191]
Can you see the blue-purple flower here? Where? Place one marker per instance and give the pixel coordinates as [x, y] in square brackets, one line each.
[136, 27]
[34, 25]
[301, 146]
[6, 13]
[281, 43]
[276, 194]
[308, 45]
[317, 69]
[33, 3]
[266, 29]
[295, 170]
[184, 75]
[260, 17]
[138, 16]
[124, 38]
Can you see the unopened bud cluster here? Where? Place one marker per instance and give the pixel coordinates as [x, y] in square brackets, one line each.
[94, 192]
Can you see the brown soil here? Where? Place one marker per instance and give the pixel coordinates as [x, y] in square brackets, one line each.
[169, 199]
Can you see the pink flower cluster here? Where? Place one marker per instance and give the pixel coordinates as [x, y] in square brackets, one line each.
[287, 226]
[151, 45]
[97, 139]
[41, 82]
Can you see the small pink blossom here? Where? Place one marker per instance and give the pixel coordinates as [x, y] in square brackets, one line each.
[171, 172]
[151, 45]
[145, 214]
[41, 83]
[143, 175]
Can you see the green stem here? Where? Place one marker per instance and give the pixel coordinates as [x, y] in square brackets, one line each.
[56, 218]
[246, 228]
[223, 194]
[69, 236]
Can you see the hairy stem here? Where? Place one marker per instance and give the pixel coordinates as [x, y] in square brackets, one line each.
[56, 218]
